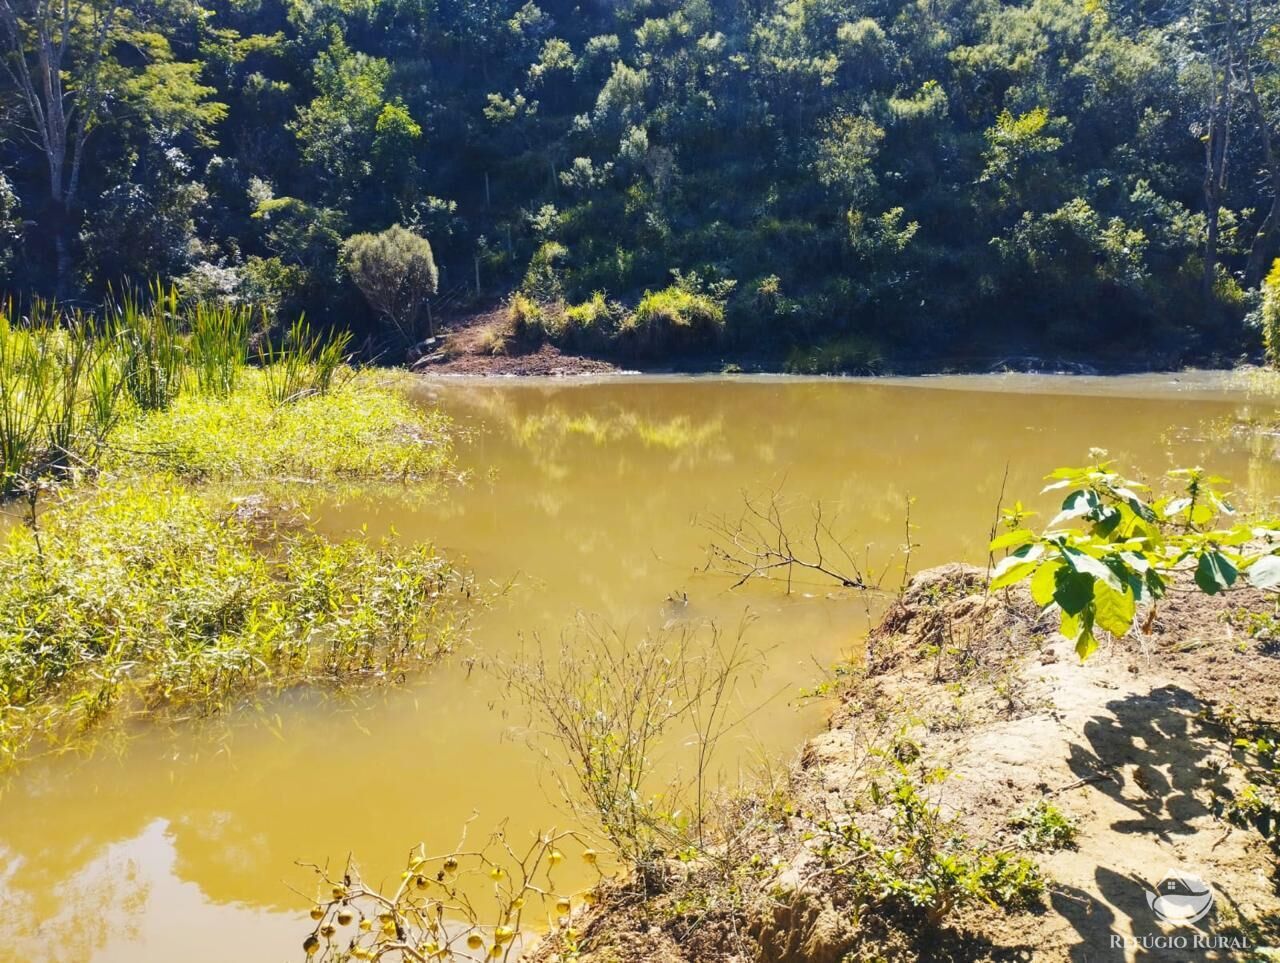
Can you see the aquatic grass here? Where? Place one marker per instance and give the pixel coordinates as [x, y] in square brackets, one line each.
[60, 394]
[219, 345]
[151, 591]
[304, 365]
[152, 353]
[154, 597]
[365, 429]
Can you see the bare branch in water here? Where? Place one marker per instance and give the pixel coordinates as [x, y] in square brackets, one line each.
[759, 544]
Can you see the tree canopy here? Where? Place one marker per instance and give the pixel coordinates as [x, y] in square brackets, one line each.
[1087, 177]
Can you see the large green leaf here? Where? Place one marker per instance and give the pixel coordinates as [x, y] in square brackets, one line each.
[1088, 565]
[1014, 539]
[1073, 591]
[1215, 573]
[1079, 629]
[1265, 573]
[1113, 610]
[1014, 568]
[1044, 582]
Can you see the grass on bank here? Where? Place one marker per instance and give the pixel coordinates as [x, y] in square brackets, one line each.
[126, 582]
[366, 428]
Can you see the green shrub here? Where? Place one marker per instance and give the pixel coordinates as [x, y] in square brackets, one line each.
[527, 318]
[591, 325]
[1271, 315]
[542, 281]
[1042, 826]
[896, 849]
[674, 319]
[396, 272]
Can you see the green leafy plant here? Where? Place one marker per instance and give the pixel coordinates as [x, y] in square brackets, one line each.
[1044, 826]
[1111, 550]
[897, 849]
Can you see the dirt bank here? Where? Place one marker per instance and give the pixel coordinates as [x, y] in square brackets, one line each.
[478, 345]
[975, 702]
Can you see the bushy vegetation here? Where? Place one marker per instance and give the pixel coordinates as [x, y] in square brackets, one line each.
[127, 585]
[1043, 826]
[1270, 313]
[901, 854]
[954, 183]
[1111, 551]
[152, 595]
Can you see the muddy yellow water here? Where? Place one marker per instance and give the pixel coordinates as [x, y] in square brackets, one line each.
[585, 498]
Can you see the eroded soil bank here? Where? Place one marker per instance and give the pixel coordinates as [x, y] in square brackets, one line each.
[976, 702]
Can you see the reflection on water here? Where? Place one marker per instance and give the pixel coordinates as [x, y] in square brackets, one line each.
[585, 498]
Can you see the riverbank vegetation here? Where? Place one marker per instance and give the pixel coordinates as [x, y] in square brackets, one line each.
[661, 179]
[156, 557]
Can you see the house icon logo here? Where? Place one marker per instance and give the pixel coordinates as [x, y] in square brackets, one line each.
[1180, 898]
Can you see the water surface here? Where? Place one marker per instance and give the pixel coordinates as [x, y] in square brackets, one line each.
[583, 498]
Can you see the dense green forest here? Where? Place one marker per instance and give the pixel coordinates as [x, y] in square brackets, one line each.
[935, 178]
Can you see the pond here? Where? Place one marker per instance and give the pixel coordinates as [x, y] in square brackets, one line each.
[584, 498]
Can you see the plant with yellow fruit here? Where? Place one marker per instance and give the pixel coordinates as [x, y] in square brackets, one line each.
[459, 907]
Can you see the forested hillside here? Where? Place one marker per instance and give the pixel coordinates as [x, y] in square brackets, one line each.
[937, 178]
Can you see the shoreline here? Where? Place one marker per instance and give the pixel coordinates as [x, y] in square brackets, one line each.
[480, 345]
[1131, 745]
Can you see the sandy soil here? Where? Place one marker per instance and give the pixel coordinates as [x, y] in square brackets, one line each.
[1125, 743]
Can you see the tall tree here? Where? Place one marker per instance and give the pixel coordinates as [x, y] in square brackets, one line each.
[55, 53]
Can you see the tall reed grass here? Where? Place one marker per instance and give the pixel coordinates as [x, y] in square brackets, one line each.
[68, 378]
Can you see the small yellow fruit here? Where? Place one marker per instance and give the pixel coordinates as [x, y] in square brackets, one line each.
[345, 916]
[589, 856]
[495, 951]
[366, 926]
[420, 882]
[563, 905]
[450, 865]
[339, 892]
[496, 873]
[590, 898]
[311, 945]
[475, 941]
[503, 934]
[517, 903]
[317, 912]
[554, 856]
[328, 930]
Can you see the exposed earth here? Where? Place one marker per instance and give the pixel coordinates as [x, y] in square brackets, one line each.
[1130, 745]
[475, 345]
